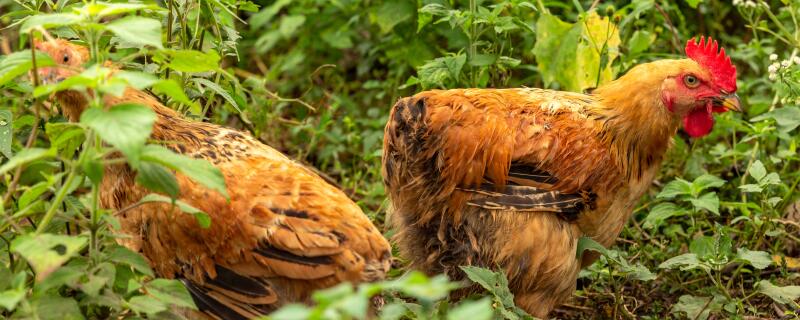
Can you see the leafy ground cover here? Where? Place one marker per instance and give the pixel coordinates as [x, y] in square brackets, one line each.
[717, 237]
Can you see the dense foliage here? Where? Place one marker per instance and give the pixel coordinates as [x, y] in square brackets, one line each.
[718, 236]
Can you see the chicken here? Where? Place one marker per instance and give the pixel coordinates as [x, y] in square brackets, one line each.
[283, 234]
[512, 178]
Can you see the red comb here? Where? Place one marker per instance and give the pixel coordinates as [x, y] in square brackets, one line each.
[705, 53]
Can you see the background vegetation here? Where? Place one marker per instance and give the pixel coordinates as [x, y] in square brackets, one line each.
[717, 237]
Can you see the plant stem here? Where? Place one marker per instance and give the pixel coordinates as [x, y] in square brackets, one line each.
[51, 212]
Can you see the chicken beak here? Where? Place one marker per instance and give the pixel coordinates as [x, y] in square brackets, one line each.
[730, 102]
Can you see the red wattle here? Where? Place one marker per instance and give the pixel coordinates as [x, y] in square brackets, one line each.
[698, 122]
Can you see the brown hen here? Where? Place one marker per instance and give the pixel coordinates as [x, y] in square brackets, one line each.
[283, 234]
[512, 178]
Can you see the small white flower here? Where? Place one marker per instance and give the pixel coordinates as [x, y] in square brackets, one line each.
[737, 2]
[796, 60]
[750, 4]
[773, 57]
[773, 77]
[773, 68]
[786, 63]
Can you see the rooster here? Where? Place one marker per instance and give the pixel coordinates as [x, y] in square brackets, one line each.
[284, 233]
[512, 178]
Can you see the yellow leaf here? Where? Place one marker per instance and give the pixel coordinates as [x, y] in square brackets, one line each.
[791, 263]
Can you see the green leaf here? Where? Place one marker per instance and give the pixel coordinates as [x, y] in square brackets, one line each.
[785, 295]
[693, 3]
[173, 90]
[171, 292]
[475, 310]
[122, 255]
[704, 247]
[392, 13]
[440, 70]
[706, 181]
[50, 20]
[758, 259]
[57, 308]
[10, 298]
[198, 170]
[32, 194]
[576, 56]
[757, 170]
[138, 30]
[675, 188]
[188, 60]
[698, 307]
[26, 156]
[202, 218]
[290, 24]
[787, 118]
[103, 9]
[216, 88]
[46, 252]
[586, 243]
[147, 305]
[661, 212]
[685, 261]
[19, 63]
[708, 201]
[124, 126]
[291, 312]
[752, 188]
[154, 177]
[6, 132]
[640, 41]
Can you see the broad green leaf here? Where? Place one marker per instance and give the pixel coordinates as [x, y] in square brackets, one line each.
[138, 30]
[694, 3]
[103, 9]
[122, 255]
[787, 118]
[49, 20]
[438, 72]
[188, 60]
[752, 188]
[661, 212]
[6, 133]
[704, 247]
[576, 56]
[154, 177]
[26, 156]
[476, 310]
[290, 24]
[706, 181]
[138, 80]
[66, 137]
[391, 13]
[586, 243]
[757, 170]
[685, 261]
[146, 305]
[19, 63]
[124, 126]
[173, 90]
[291, 312]
[641, 273]
[32, 193]
[51, 307]
[171, 292]
[202, 218]
[708, 201]
[698, 307]
[675, 188]
[46, 252]
[640, 41]
[758, 259]
[10, 298]
[785, 295]
[198, 170]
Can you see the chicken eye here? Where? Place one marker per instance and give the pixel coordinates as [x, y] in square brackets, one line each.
[691, 81]
[66, 58]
